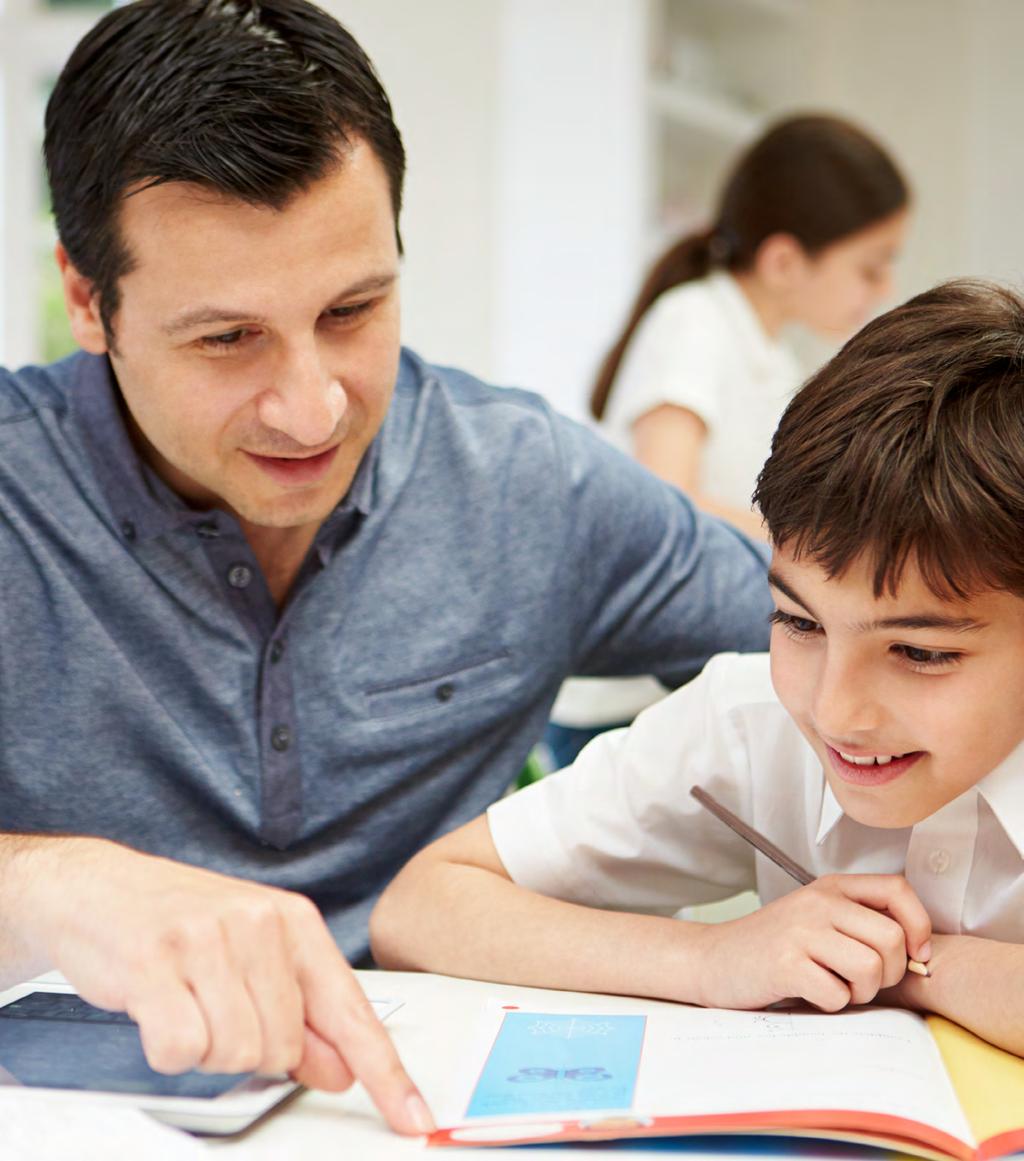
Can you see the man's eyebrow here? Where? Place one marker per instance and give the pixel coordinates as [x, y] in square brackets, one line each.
[911, 621]
[210, 315]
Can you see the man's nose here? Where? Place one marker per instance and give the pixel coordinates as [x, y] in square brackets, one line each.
[307, 400]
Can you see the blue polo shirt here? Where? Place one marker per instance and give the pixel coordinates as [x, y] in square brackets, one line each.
[151, 692]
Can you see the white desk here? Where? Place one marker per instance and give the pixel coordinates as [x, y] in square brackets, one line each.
[438, 1016]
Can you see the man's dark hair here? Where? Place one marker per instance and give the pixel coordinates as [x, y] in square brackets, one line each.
[253, 99]
[908, 447]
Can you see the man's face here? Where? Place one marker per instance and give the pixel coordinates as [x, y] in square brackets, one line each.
[257, 349]
[935, 686]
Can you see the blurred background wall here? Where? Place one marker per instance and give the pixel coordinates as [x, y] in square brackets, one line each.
[556, 145]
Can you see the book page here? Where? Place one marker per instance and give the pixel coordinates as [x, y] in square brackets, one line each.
[877, 1060]
[598, 1069]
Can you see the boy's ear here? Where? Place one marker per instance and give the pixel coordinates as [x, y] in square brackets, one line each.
[781, 262]
[83, 305]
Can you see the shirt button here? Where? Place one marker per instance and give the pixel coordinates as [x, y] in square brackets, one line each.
[276, 652]
[281, 738]
[445, 691]
[239, 576]
[938, 861]
[127, 530]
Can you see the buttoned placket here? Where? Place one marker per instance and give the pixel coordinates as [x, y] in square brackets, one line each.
[246, 590]
[247, 593]
[940, 855]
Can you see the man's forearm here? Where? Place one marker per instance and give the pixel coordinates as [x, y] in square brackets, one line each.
[975, 983]
[21, 954]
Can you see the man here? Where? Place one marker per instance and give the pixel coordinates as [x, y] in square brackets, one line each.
[281, 602]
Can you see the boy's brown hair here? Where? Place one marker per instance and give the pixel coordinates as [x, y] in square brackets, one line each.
[908, 447]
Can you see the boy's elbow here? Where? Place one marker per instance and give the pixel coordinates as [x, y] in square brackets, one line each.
[390, 923]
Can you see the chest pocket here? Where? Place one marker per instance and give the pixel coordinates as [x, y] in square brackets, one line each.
[466, 682]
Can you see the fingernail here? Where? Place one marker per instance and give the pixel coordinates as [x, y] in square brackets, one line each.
[419, 1114]
[925, 953]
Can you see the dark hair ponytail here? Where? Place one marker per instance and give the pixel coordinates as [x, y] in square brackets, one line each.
[817, 178]
[689, 259]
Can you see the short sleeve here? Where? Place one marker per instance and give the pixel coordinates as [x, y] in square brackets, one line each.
[674, 356]
[645, 583]
[618, 829]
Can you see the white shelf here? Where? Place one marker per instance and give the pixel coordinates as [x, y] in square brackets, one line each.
[782, 9]
[707, 113]
[774, 10]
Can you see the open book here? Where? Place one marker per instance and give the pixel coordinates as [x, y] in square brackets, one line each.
[876, 1076]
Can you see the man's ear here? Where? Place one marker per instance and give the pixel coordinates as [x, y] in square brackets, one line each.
[781, 262]
[83, 306]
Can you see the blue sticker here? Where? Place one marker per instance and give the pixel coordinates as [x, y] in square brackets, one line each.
[543, 1063]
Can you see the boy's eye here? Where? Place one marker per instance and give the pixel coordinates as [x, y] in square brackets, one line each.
[793, 625]
[927, 658]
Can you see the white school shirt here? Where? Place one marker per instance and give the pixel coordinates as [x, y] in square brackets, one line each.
[701, 346]
[619, 830]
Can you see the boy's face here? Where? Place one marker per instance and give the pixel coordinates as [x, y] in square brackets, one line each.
[935, 686]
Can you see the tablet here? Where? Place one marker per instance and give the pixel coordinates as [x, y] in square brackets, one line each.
[51, 1039]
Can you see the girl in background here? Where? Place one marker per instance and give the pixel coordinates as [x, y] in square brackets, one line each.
[806, 231]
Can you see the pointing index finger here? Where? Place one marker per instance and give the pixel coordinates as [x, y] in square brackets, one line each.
[341, 1016]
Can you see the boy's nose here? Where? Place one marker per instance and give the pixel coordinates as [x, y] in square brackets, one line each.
[844, 707]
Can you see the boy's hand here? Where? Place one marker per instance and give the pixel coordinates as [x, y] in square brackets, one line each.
[835, 942]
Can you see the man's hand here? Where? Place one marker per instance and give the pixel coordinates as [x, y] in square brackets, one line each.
[835, 942]
[219, 973]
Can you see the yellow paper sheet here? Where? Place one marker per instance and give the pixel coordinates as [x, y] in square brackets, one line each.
[988, 1081]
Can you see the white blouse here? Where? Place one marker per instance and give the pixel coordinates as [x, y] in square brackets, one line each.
[618, 829]
[700, 346]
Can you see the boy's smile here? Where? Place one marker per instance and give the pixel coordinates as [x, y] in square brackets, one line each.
[870, 770]
[908, 700]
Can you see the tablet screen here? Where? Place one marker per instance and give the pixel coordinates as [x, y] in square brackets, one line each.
[57, 1040]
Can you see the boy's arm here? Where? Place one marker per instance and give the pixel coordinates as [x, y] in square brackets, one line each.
[454, 910]
[975, 983]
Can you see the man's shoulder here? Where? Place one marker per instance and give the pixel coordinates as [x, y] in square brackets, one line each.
[29, 391]
[451, 387]
[503, 423]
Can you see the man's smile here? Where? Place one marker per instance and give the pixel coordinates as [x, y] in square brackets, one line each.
[295, 471]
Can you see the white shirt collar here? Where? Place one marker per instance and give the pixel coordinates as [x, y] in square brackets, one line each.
[764, 351]
[1002, 788]
[831, 812]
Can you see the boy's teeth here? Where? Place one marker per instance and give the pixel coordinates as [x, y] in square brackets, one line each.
[873, 760]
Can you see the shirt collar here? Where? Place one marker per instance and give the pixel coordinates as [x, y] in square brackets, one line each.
[140, 502]
[764, 352]
[1002, 788]
[831, 812]
[143, 505]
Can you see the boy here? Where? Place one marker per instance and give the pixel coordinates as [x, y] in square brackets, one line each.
[886, 758]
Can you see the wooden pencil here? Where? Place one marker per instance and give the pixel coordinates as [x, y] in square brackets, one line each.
[771, 851]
